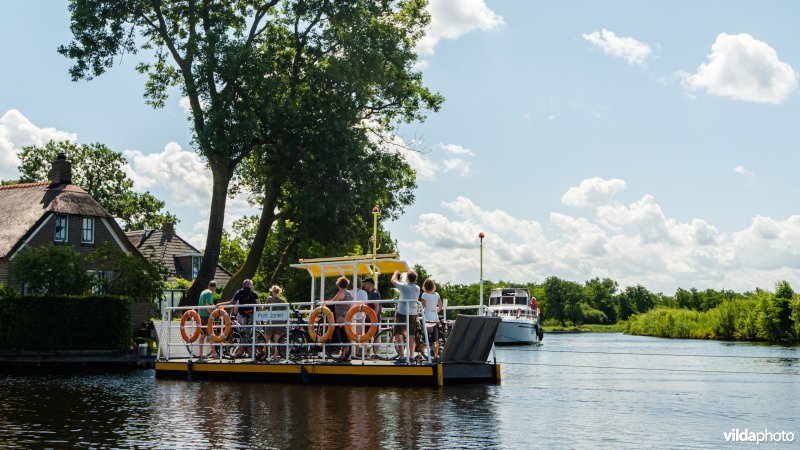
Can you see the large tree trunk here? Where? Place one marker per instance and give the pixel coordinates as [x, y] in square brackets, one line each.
[282, 261]
[248, 269]
[216, 219]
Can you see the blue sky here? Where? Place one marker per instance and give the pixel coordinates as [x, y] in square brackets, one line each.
[652, 142]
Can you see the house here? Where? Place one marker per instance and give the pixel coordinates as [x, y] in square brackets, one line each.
[54, 212]
[180, 258]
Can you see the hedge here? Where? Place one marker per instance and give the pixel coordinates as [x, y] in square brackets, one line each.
[65, 323]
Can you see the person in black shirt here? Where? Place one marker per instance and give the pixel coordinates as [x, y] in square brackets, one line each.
[244, 296]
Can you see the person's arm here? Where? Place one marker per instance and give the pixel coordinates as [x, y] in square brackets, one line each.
[396, 278]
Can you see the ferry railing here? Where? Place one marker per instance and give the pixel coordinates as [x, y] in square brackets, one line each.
[481, 309]
[167, 325]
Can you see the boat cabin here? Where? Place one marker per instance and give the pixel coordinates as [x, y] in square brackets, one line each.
[510, 297]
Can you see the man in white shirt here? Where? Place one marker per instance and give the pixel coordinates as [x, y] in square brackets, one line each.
[406, 311]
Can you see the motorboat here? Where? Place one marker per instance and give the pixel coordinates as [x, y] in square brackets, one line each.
[519, 317]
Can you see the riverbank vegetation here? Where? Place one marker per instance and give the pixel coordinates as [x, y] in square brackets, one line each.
[599, 305]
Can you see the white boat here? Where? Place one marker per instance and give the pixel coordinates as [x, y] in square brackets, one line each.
[520, 322]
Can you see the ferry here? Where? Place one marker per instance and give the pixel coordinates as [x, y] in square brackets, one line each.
[519, 320]
[307, 352]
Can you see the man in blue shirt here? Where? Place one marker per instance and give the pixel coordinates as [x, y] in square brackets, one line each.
[406, 311]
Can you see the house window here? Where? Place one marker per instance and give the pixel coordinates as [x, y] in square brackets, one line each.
[60, 234]
[87, 230]
[196, 266]
[101, 280]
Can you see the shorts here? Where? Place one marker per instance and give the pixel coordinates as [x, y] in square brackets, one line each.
[401, 320]
[433, 333]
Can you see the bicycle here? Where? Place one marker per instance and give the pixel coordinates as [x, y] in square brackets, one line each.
[387, 352]
[240, 342]
[299, 340]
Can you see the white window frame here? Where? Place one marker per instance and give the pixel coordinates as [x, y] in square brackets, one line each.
[92, 229]
[199, 263]
[66, 228]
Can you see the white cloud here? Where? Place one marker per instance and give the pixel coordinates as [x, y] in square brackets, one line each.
[182, 179]
[451, 19]
[627, 48]
[593, 192]
[455, 149]
[750, 177]
[17, 131]
[743, 68]
[458, 165]
[633, 244]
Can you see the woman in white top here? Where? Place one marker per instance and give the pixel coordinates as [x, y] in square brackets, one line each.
[432, 304]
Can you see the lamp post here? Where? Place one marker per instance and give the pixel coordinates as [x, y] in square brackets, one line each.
[481, 236]
[376, 211]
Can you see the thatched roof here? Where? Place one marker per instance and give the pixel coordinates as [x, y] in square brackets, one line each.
[24, 206]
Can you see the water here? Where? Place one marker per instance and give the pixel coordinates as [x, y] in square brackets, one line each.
[544, 401]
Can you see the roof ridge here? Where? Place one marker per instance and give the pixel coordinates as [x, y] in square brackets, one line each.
[24, 185]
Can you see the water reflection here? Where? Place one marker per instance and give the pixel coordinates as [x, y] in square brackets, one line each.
[556, 399]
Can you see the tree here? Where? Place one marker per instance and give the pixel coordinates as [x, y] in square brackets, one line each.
[235, 62]
[99, 171]
[563, 300]
[601, 296]
[321, 131]
[50, 270]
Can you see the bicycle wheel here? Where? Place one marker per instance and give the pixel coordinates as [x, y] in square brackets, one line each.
[233, 347]
[382, 345]
[299, 345]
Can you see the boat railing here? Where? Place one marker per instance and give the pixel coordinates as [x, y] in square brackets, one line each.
[515, 311]
[280, 316]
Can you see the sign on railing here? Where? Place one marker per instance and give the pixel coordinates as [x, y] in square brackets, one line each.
[276, 316]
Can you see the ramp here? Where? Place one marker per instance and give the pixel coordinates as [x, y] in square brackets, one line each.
[471, 339]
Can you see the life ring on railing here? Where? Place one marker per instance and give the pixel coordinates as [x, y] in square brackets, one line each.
[373, 326]
[226, 318]
[198, 325]
[312, 321]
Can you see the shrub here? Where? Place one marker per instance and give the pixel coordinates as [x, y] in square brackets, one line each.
[51, 270]
[65, 323]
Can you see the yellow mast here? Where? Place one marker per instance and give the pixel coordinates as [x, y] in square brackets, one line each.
[375, 213]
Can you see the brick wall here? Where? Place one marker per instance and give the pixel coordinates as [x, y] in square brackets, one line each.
[102, 235]
[4, 271]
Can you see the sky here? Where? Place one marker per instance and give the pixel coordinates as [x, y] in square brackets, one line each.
[654, 143]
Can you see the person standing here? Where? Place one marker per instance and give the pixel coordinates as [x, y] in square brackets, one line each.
[274, 329]
[406, 312]
[372, 294]
[340, 311]
[432, 304]
[205, 305]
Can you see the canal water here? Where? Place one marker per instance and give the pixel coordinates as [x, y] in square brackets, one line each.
[577, 390]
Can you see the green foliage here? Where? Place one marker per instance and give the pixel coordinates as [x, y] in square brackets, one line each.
[232, 252]
[61, 270]
[51, 270]
[134, 277]
[773, 317]
[563, 300]
[66, 323]
[6, 291]
[99, 171]
[178, 283]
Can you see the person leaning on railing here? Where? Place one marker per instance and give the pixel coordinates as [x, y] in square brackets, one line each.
[432, 304]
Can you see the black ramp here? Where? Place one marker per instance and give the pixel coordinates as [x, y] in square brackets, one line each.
[471, 339]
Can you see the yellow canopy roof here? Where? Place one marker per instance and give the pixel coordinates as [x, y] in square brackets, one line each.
[347, 265]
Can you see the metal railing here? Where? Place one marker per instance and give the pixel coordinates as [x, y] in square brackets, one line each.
[167, 325]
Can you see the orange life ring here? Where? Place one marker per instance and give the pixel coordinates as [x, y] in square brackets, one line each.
[329, 319]
[226, 318]
[373, 326]
[198, 324]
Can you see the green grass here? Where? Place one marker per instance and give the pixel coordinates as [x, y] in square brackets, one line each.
[584, 328]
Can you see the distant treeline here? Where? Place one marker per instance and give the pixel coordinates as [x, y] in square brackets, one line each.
[710, 314]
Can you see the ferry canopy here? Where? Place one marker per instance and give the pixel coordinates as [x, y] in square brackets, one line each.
[348, 265]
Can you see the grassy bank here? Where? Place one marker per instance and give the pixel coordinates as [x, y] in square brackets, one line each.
[769, 317]
[584, 328]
